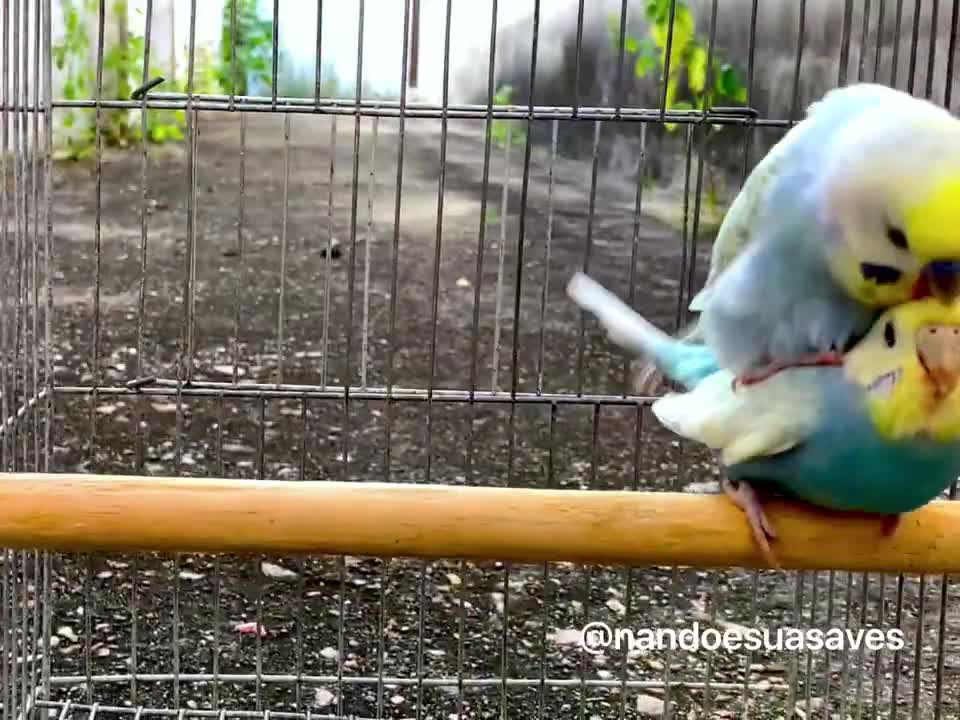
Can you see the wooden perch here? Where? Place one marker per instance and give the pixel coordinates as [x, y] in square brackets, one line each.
[75, 512]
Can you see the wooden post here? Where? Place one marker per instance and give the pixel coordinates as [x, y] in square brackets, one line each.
[126, 513]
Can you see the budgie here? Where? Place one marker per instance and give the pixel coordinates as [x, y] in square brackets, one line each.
[855, 209]
[878, 434]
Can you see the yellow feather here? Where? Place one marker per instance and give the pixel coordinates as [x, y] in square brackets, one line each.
[911, 406]
[931, 222]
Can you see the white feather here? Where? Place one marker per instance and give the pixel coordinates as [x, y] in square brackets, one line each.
[753, 421]
[624, 326]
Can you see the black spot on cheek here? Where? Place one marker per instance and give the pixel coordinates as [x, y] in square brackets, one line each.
[889, 335]
[880, 274]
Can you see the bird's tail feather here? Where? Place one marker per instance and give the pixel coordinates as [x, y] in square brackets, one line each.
[664, 355]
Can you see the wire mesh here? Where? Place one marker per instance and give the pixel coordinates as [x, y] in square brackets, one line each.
[337, 286]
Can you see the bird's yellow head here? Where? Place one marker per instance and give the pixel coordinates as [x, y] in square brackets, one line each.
[891, 201]
[909, 364]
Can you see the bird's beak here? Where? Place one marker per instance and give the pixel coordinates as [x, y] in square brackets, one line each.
[941, 279]
[938, 349]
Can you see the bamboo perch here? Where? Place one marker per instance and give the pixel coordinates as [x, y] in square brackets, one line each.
[74, 512]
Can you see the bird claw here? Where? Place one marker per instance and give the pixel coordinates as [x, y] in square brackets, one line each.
[745, 497]
[823, 359]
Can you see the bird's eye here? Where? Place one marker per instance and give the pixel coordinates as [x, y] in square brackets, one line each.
[897, 237]
[889, 335]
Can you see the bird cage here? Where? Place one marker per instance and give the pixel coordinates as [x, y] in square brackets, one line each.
[216, 267]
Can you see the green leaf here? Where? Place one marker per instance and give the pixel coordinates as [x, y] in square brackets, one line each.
[59, 56]
[683, 28]
[643, 65]
[728, 83]
[697, 69]
[630, 44]
[682, 105]
[68, 120]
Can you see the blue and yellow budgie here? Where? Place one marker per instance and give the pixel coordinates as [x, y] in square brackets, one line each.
[878, 434]
[855, 209]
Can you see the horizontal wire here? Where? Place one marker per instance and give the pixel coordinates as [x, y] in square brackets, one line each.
[330, 392]
[368, 108]
[398, 681]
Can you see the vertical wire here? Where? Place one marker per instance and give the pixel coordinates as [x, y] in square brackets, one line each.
[437, 246]
[7, 115]
[185, 361]
[239, 284]
[864, 37]
[319, 53]
[6, 633]
[844, 43]
[395, 266]
[545, 597]
[798, 60]
[48, 216]
[301, 562]
[635, 243]
[217, 580]
[98, 197]
[233, 54]
[895, 681]
[274, 53]
[524, 189]
[481, 236]
[621, 42]
[142, 290]
[23, 245]
[879, 49]
[942, 631]
[371, 189]
[576, 60]
[352, 266]
[831, 586]
[845, 664]
[501, 257]
[35, 252]
[896, 43]
[581, 344]
[918, 647]
[281, 305]
[931, 52]
[628, 595]
[881, 617]
[48, 373]
[588, 569]
[21, 73]
[861, 655]
[914, 40]
[687, 283]
[808, 670]
[548, 242]
[328, 263]
[667, 57]
[48, 233]
[88, 626]
[951, 54]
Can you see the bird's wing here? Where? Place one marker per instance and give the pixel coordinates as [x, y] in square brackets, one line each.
[787, 163]
[750, 422]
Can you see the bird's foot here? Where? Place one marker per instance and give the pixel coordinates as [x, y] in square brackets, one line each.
[823, 359]
[745, 497]
[889, 525]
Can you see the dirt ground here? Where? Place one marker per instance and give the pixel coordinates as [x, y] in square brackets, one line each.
[483, 620]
